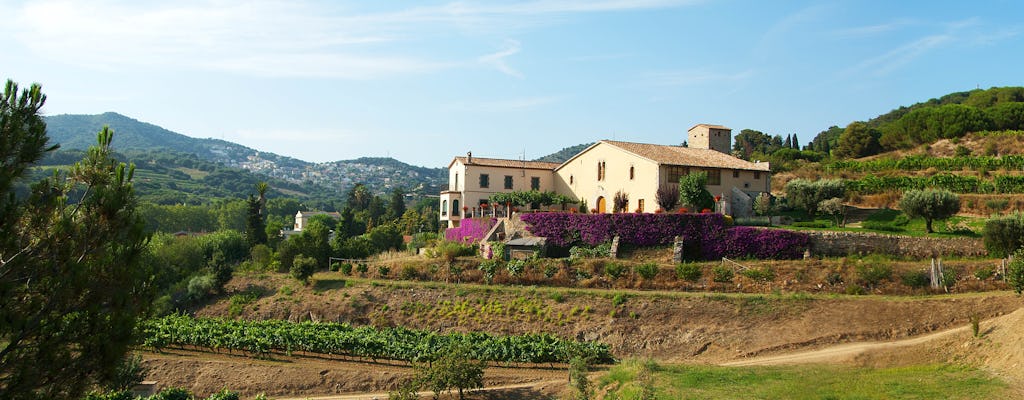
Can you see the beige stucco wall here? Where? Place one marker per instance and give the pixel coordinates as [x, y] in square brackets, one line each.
[582, 172]
[705, 137]
[469, 193]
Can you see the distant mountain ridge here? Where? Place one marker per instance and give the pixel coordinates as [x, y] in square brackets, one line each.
[381, 175]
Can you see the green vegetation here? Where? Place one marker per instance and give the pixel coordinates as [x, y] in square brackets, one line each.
[930, 204]
[259, 338]
[1015, 272]
[804, 382]
[693, 191]
[1004, 235]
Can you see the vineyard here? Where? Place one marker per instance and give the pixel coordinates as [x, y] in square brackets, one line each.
[872, 184]
[260, 338]
[923, 162]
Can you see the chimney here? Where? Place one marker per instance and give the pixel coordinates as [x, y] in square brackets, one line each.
[469, 157]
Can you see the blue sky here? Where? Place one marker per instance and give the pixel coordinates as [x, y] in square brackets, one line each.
[425, 81]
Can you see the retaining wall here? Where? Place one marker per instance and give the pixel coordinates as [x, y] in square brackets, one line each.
[838, 244]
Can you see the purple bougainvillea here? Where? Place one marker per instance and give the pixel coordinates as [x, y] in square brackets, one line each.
[470, 230]
[704, 234]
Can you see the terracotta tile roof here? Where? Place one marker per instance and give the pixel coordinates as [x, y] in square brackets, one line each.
[678, 155]
[497, 162]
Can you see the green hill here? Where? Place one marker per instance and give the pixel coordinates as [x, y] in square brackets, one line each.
[565, 154]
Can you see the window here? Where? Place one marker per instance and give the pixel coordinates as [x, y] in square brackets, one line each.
[534, 183]
[444, 208]
[508, 182]
[570, 179]
[675, 172]
[640, 205]
[485, 181]
[757, 174]
[455, 208]
[600, 170]
[456, 187]
[714, 177]
[735, 173]
[631, 172]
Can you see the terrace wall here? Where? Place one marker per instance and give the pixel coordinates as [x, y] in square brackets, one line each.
[838, 244]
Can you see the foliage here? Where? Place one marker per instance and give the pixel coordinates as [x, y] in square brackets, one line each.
[924, 162]
[667, 197]
[1004, 235]
[303, 268]
[807, 195]
[1015, 272]
[751, 242]
[454, 369]
[71, 281]
[405, 391]
[530, 198]
[258, 338]
[834, 208]
[915, 279]
[620, 202]
[930, 204]
[224, 394]
[722, 274]
[693, 191]
[578, 380]
[470, 230]
[872, 275]
[647, 270]
[602, 250]
[765, 274]
[763, 204]
[858, 140]
[880, 226]
[615, 269]
[926, 125]
[689, 271]
[984, 273]
[129, 373]
[255, 229]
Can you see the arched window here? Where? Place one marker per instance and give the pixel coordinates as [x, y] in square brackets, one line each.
[600, 170]
[455, 208]
[444, 207]
[631, 172]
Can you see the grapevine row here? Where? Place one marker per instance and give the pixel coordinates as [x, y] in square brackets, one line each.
[262, 337]
[923, 162]
[955, 183]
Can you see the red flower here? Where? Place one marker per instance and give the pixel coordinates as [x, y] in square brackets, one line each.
[659, 211]
[683, 210]
[705, 211]
[484, 205]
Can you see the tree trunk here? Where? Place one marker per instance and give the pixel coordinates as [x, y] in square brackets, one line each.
[928, 224]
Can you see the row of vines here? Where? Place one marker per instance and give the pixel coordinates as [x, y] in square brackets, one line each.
[260, 338]
[923, 162]
[872, 184]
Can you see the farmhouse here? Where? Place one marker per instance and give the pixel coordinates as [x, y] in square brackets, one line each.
[607, 167]
[302, 217]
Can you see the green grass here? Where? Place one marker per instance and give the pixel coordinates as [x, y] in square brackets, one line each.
[808, 382]
[914, 227]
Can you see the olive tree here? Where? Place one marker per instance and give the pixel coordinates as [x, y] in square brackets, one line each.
[930, 204]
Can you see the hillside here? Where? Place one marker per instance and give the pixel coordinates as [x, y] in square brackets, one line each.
[565, 154]
[148, 142]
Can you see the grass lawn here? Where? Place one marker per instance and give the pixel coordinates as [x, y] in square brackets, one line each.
[805, 382]
[901, 225]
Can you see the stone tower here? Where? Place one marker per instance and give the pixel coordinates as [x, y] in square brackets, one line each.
[714, 137]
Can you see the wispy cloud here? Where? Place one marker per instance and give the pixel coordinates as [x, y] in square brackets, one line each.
[694, 77]
[872, 30]
[276, 37]
[504, 105]
[497, 60]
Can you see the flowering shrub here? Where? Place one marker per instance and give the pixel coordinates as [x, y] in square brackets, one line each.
[470, 230]
[750, 242]
[705, 235]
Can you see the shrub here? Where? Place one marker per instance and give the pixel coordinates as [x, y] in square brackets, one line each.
[915, 279]
[489, 268]
[930, 204]
[984, 273]
[949, 278]
[750, 242]
[693, 190]
[173, 393]
[602, 250]
[874, 274]
[763, 204]
[200, 286]
[362, 268]
[383, 270]
[1004, 235]
[558, 297]
[764, 274]
[647, 271]
[302, 268]
[618, 299]
[880, 226]
[620, 201]
[1015, 272]
[224, 394]
[470, 230]
[855, 290]
[721, 274]
[689, 272]
[345, 268]
[515, 267]
[615, 269]
[409, 272]
[834, 208]
[667, 197]
[807, 195]
[997, 205]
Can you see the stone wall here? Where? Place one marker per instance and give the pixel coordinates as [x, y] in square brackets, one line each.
[838, 244]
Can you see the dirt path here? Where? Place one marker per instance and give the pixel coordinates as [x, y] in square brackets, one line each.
[848, 352]
[384, 395]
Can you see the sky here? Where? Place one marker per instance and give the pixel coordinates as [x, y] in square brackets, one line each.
[424, 81]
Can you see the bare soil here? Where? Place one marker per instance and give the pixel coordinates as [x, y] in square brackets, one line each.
[669, 326]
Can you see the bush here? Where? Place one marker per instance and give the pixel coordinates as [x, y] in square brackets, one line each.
[603, 250]
[515, 267]
[997, 205]
[721, 274]
[1015, 272]
[345, 268]
[984, 273]
[303, 268]
[409, 272]
[915, 279]
[470, 230]
[647, 271]
[224, 394]
[618, 299]
[200, 286]
[362, 268]
[693, 190]
[855, 290]
[1004, 235]
[807, 195]
[615, 269]
[764, 274]
[872, 275]
[173, 393]
[689, 272]
[880, 226]
[383, 270]
[489, 268]
[930, 204]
